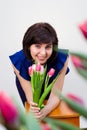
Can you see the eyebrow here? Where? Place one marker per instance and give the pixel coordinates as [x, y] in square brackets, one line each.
[44, 43]
[49, 44]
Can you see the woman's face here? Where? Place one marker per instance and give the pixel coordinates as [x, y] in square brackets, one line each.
[41, 52]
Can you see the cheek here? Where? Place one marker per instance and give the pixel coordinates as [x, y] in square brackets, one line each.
[50, 52]
[33, 52]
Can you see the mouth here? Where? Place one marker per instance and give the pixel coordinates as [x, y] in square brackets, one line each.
[41, 59]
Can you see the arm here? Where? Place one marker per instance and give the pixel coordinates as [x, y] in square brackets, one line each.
[26, 85]
[53, 100]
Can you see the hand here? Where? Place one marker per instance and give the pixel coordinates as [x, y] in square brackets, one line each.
[42, 114]
[39, 113]
[35, 109]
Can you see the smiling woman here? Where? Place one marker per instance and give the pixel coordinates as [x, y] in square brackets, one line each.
[40, 44]
[41, 52]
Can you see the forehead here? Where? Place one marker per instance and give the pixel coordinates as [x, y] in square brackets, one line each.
[50, 43]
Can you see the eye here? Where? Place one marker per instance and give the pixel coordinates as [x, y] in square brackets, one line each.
[49, 46]
[37, 45]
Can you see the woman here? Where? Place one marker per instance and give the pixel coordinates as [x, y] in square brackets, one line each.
[40, 43]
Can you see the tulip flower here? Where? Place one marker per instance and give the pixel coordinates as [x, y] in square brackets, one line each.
[51, 72]
[79, 61]
[45, 126]
[38, 67]
[76, 61]
[38, 77]
[74, 105]
[75, 98]
[8, 109]
[30, 70]
[83, 28]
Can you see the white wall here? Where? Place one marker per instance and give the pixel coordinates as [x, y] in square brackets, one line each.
[65, 15]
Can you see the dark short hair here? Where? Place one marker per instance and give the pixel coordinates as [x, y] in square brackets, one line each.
[40, 33]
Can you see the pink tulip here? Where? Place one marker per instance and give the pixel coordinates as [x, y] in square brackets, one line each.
[35, 67]
[45, 127]
[8, 108]
[42, 69]
[51, 72]
[75, 98]
[76, 61]
[83, 28]
[38, 67]
[30, 70]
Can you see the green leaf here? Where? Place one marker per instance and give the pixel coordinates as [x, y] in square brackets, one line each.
[46, 92]
[79, 54]
[22, 127]
[75, 106]
[33, 81]
[61, 124]
[46, 82]
[82, 72]
[21, 112]
[32, 123]
[36, 95]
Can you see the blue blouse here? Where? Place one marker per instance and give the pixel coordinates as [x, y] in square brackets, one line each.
[21, 62]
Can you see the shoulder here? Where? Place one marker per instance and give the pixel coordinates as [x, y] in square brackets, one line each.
[62, 57]
[60, 63]
[21, 63]
[19, 58]
[17, 55]
[61, 60]
[62, 53]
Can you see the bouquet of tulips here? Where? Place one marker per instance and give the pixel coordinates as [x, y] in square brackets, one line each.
[38, 77]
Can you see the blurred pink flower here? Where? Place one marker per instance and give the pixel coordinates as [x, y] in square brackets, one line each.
[8, 109]
[51, 72]
[75, 98]
[83, 28]
[76, 61]
[45, 127]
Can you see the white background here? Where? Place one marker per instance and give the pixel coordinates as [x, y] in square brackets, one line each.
[65, 15]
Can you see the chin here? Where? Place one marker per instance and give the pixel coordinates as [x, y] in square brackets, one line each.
[42, 62]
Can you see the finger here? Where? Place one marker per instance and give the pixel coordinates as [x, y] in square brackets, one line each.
[33, 103]
[38, 115]
[34, 109]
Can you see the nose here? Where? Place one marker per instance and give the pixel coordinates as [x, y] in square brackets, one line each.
[43, 51]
